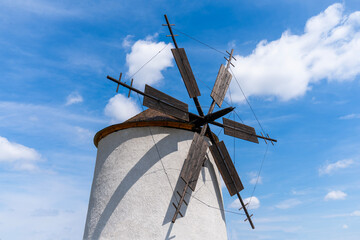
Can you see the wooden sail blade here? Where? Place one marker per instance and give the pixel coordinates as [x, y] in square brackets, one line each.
[194, 160]
[221, 85]
[167, 105]
[239, 130]
[226, 168]
[186, 72]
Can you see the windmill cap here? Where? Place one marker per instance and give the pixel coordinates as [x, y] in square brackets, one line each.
[147, 118]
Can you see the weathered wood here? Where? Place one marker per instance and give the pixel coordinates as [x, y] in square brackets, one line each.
[178, 207]
[132, 80]
[221, 85]
[193, 162]
[239, 130]
[226, 168]
[176, 210]
[173, 107]
[186, 72]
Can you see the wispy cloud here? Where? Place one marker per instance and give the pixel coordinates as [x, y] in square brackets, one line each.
[73, 98]
[254, 179]
[289, 203]
[355, 213]
[20, 156]
[335, 195]
[127, 41]
[121, 108]
[253, 203]
[40, 205]
[285, 68]
[332, 167]
[142, 51]
[42, 8]
[350, 116]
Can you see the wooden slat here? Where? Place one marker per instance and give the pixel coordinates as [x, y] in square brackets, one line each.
[221, 85]
[193, 162]
[186, 72]
[239, 130]
[226, 168]
[173, 107]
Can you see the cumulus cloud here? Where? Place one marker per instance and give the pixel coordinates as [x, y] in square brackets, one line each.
[335, 195]
[121, 108]
[141, 52]
[332, 167]
[287, 67]
[289, 203]
[253, 204]
[73, 98]
[22, 157]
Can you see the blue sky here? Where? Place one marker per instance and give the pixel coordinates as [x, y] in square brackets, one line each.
[297, 61]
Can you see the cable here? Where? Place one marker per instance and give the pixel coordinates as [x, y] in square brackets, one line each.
[209, 206]
[247, 100]
[158, 152]
[200, 42]
[258, 177]
[149, 61]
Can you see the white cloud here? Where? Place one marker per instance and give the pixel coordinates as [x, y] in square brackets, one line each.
[22, 157]
[350, 116]
[335, 195]
[254, 178]
[330, 168]
[345, 226]
[141, 52]
[73, 98]
[253, 204]
[286, 68]
[121, 108]
[289, 203]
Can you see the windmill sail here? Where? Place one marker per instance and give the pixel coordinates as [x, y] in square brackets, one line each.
[239, 130]
[221, 85]
[226, 168]
[186, 72]
[167, 105]
[192, 165]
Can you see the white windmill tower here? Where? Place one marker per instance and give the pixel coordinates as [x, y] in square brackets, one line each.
[165, 162]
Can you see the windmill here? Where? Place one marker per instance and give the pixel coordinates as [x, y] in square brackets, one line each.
[168, 105]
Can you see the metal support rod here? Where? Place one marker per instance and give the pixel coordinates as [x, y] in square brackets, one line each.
[171, 32]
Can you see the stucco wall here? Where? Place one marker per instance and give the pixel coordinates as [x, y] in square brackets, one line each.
[131, 195]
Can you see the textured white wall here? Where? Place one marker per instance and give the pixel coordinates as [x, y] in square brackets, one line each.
[131, 195]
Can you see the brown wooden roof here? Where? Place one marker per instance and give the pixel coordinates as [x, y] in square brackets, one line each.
[147, 118]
